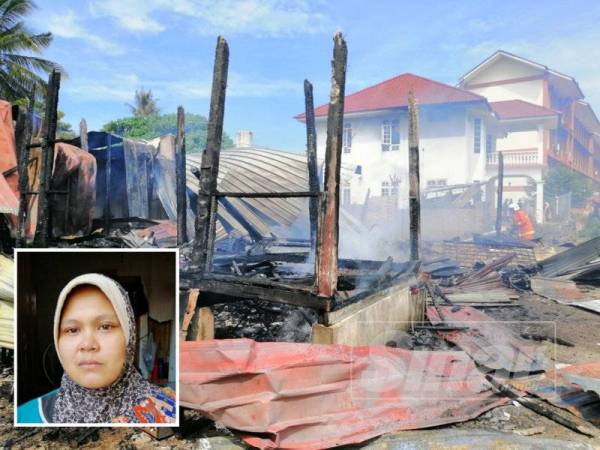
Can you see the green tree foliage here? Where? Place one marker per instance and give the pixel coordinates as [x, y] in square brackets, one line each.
[20, 68]
[561, 180]
[144, 104]
[150, 127]
[64, 130]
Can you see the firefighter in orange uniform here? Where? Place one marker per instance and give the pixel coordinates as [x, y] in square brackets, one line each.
[521, 223]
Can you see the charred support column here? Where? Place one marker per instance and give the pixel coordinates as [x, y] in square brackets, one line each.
[499, 193]
[83, 137]
[207, 202]
[414, 190]
[311, 155]
[42, 231]
[23, 135]
[107, 182]
[327, 250]
[180, 177]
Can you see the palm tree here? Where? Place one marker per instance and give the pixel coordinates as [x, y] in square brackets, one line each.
[19, 70]
[144, 104]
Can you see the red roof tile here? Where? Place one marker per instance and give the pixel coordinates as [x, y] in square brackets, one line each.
[519, 109]
[393, 93]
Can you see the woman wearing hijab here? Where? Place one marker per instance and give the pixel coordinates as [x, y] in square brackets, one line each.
[94, 336]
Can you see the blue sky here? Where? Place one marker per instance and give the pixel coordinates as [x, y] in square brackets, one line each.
[110, 48]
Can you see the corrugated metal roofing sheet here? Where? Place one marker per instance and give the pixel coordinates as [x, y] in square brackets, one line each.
[262, 170]
[556, 387]
[9, 204]
[489, 342]
[308, 396]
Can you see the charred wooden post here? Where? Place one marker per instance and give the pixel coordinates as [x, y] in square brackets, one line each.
[499, 193]
[107, 182]
[83, 135]
[42, 231]
[414, 190]
[311, 155]
[327, 250]
[23, 138]
[180, 177]
[209, 171]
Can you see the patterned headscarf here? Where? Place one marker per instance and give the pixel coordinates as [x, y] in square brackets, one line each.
[77, 404]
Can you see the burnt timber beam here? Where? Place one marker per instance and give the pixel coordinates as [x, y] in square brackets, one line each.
[83, 136]
[107, 182]
[180, 178]
[42, 230]
[209, 171]
[214, 288]
[326, 266]
[23, 138]
[311, 156]
[414, 189]
[500, 193]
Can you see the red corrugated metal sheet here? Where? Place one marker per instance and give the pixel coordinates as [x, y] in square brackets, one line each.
[8, 153]
[488, 341]
[556, 387]
[303, 396]
[393, 93]
[519, 109]
[9, 204]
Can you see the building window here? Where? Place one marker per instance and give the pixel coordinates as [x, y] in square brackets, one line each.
[390, 135]
[477, 135]
[346, 196]
[437, 182]
[390, 188]
[490, 144]
[347, 138]
[385, 188]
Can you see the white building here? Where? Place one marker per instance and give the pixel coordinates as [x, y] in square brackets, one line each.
[533, 115]
[453, 125]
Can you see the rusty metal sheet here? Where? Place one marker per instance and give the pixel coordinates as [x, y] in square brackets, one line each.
[9, 204]
[307, 396]
[566, 292]
[488, 341]
[556, 387]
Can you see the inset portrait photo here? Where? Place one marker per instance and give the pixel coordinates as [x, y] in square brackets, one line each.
[96, 338]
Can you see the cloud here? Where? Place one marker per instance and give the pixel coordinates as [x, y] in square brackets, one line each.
[68, 26]
[273, 18]
[113, 87]
[132, 15]
[121, 87]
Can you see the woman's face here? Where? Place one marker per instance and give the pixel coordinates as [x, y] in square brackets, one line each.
[91, 342]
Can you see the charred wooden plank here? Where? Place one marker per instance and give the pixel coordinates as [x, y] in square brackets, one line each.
[311, 156]
[414, 190]
[42, 231]
[107, 173]
[216, 288]
[204, 239]
[180, 178]
[327, 250]
[23, 137]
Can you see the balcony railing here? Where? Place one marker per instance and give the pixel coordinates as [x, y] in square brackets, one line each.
[515, 158]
